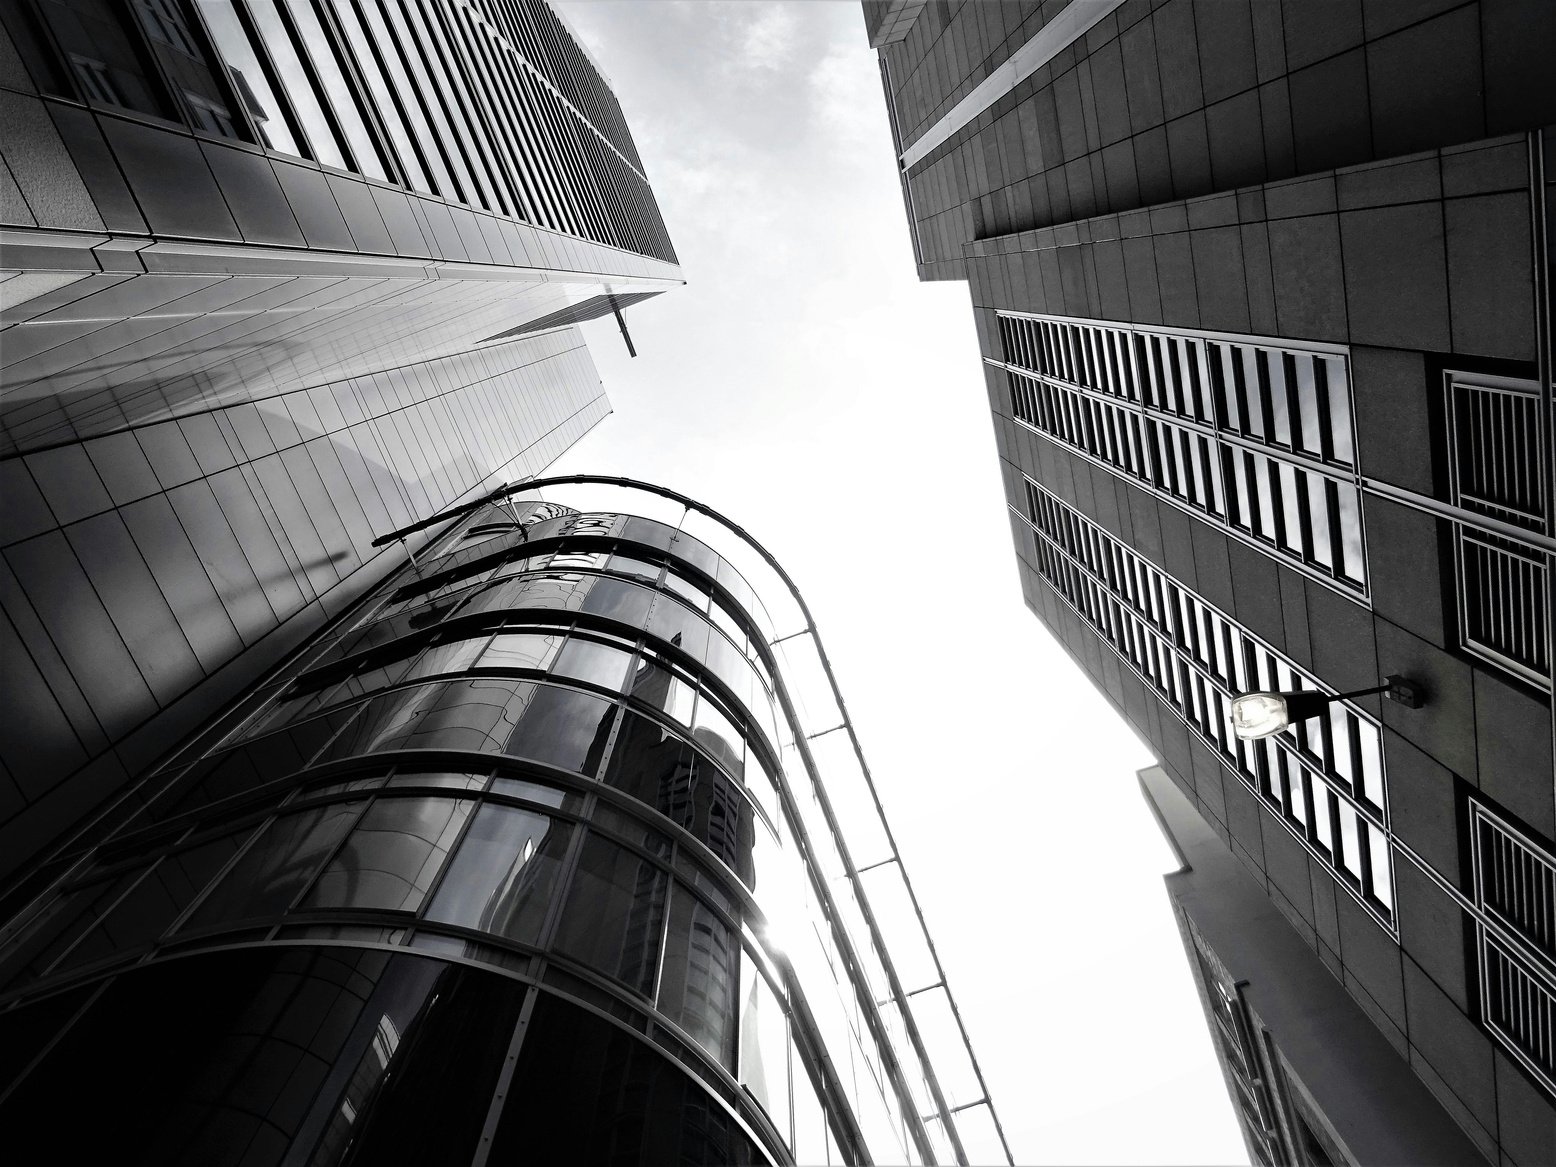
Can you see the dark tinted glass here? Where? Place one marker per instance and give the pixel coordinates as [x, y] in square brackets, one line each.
[701, 975]
[278, 866]
[563, 728]
[104, 55]
[335, 1056]
[659, 769]
[589, 1093]
[614, 914]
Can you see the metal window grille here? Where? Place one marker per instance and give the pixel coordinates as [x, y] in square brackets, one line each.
[1515, 880]
[1503, 603]
[1519, 1008]
[1494, 449]
[1495, 442]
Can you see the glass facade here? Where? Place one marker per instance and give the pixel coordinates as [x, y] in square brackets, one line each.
[546, 783]
[275, 284]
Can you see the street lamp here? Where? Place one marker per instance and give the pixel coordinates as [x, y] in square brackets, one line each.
[1256, 715]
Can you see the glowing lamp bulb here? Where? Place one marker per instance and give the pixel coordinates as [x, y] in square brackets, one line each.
[1256, 715]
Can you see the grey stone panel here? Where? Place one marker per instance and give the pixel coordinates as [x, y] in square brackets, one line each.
[42, 167]
[1396, 276]
[1451, 1044]
[1526, 1121]
[1341, 630]
[1407, 115]
[1392, 411]
[1320, 29]
[98, 168]
[1257, 590]
[1371, 957]
[1513, 750]
[1297, 641]
[1309, 286]
[1431, 930]
[1519, 94]
[1422, 806]
[1405, 568]
[1445, 726]
[171, 181]
[254, 196]
[1329, 113]
[317, 213]
[1490, 275]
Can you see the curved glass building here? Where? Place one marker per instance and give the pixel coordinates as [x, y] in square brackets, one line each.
[558, 848]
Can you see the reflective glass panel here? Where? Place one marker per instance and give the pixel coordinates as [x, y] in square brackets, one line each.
[764, 1046]
[392, 856]
[697, 989]
[103, 55]
[248, 76]
[296, 84]
[279, 864]
[522, 650]
[341, 93]
[504, 875]
[383, 94]
[563, 728]
[597, 664]
[614, 913]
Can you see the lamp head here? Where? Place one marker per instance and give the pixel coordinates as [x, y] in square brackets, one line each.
[1256, 715]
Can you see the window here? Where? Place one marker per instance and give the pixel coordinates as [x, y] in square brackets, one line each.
[1323, 778]
[1495, 441]
[1178, 414]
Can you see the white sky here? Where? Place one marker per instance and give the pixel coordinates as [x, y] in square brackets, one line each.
[807, 385]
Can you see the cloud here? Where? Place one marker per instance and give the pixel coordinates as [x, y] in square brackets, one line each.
[845, 90]
[767, 40]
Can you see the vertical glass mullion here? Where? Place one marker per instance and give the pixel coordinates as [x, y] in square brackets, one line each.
[499, 109]
[424, 93]
[442, 53]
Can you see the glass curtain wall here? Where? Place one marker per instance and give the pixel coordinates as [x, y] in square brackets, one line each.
[542, 774]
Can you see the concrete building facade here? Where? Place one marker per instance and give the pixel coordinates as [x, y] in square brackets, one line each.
[1262, 292]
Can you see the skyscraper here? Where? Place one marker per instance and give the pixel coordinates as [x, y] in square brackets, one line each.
[279, 276]
[558, 846]
[1265, 323]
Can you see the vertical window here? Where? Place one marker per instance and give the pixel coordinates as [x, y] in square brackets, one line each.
[338, 89]
[297, 83]
[107, 57]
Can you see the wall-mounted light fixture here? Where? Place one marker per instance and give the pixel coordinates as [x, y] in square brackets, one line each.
[1256, 715]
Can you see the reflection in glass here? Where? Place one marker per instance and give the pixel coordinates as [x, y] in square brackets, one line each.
[614, 913]
[564, 728]
[504, 875]
[392, 856]
[522, 650]
[596, 664]
[296, 83]
[278, 865]
[383, 95]
[103, 55]
[698, 985]
[249, 79]
[536, 792]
